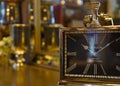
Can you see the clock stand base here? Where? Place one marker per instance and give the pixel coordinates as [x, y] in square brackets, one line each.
[73, 83]
[62, 83]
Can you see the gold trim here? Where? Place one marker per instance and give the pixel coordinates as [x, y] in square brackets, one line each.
[78, 31]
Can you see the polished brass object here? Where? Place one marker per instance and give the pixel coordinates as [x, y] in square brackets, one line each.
[95, 7]
[87, 54]
[21, 42]
[10, 13]
[95, 19]
[50, 41]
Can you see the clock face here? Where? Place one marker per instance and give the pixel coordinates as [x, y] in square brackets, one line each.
[91, 53]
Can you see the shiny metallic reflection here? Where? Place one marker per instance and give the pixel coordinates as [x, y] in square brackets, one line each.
[21, 43]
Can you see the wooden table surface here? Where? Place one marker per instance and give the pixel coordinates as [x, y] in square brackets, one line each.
[28, 76]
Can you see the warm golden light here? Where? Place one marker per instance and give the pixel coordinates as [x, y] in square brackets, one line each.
[45, 10]
[48, 57]
[79, 2]
[8, 10]
[32, 17]
[45, 18]
[12, 18]
[62, 2]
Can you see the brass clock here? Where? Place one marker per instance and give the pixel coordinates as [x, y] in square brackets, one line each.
[90, 54]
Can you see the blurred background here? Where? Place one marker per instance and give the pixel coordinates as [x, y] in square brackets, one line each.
[40, 21]
[29, 29]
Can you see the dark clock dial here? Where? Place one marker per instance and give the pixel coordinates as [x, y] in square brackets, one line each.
[92, 53]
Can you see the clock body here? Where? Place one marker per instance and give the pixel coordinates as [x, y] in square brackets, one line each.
[90, 54]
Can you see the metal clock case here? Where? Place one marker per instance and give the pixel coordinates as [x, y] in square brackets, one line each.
[90, 54]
